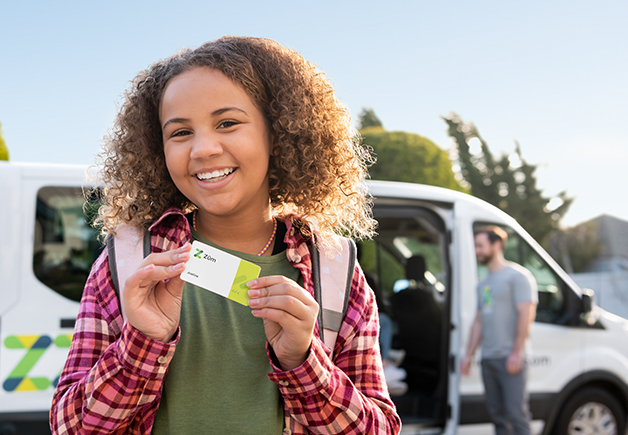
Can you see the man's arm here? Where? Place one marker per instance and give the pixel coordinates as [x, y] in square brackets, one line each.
[475, 338]
[526, 311]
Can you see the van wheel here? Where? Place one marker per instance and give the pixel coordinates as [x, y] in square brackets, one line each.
[591, 410]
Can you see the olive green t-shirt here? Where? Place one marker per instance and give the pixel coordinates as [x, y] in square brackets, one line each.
[217, 381]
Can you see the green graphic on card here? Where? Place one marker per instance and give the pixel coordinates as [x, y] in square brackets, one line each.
[220, 272]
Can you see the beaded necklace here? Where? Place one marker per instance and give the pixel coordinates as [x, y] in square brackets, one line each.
[272, 236]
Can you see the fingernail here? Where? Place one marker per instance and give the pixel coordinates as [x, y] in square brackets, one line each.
[182, 256]
[253, 293]
[179, 266]
[251, 283]
[253, 302]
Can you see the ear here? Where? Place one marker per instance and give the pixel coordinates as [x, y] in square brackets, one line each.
[274, 151]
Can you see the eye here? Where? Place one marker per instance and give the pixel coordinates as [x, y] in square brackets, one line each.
[227, 124]
[180, 133]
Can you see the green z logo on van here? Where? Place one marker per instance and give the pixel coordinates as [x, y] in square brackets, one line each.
[35, 347]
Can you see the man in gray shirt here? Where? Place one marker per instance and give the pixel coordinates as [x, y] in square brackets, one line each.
[507, 300]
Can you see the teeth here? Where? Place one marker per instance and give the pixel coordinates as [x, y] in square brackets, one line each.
[215, 175]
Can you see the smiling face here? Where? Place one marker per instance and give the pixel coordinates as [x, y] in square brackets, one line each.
[216, 144]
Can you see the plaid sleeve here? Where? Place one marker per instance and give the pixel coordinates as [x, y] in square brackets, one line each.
[347, 395]
[111, 382]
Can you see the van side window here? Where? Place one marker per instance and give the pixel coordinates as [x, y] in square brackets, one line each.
[65, 243]
[407, 267]
[552, 307]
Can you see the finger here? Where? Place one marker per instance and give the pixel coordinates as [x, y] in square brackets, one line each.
[149, 275]
[167, 258]
[278, 287]
[286, 320]
[175, 285]
[287, 303]
[267, 281]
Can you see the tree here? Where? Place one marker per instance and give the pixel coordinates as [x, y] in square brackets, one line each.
[508, 183]
[407, 157]
[368, 119]
[4, 151]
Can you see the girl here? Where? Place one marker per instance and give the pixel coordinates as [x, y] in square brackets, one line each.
[240, 144]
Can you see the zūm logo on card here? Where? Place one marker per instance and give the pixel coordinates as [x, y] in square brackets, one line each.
[203, 255]
[220, 272]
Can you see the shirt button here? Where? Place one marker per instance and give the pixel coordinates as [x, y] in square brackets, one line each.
[162, 359]
[284, 383]
[297, 258]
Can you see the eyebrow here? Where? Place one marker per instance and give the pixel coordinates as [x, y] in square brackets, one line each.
[214, 113]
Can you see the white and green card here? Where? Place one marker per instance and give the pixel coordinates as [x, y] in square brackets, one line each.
[220, 272]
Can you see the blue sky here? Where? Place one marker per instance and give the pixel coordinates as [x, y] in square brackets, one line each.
[552, 75]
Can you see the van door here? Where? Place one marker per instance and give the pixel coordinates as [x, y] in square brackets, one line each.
[58, 247]
[408, 266]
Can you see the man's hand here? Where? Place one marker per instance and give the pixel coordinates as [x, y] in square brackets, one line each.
[514, 362]
[465, 365]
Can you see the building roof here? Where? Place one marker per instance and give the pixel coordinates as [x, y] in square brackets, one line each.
[613, 233]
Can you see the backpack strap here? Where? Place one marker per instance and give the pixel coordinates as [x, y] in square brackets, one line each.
[332, 284]
[126, 250]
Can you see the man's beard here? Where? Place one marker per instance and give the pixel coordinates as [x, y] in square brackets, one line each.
[485, 259]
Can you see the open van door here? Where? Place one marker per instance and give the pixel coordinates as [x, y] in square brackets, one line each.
[409, 266]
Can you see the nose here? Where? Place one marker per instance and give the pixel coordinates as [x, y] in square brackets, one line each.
[205, 145]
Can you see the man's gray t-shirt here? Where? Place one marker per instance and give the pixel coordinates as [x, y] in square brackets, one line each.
[498, 296]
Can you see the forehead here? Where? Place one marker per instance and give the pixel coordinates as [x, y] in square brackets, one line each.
[481, 238]
[203, 85]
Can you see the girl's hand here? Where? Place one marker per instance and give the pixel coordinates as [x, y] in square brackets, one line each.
[289, 314]
[152, 305]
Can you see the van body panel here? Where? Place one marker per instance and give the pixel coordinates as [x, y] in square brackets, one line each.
[10, 195]
[32, 353]
[606, 350]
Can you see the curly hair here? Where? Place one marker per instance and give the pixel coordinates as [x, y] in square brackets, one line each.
[317, 168]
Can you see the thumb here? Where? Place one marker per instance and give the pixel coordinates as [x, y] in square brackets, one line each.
[175, 285]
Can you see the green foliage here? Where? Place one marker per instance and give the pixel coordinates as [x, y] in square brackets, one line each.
[368, 119]
[4, 151]
[508, 183]
[408, 157]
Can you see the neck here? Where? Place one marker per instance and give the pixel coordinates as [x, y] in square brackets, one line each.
[243, 234]
[498, 262]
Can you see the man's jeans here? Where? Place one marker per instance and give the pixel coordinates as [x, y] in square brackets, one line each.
[506, 397]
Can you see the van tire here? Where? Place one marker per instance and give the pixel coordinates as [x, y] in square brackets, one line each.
[584, 409]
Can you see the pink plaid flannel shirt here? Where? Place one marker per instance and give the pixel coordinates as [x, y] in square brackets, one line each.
[112, 379]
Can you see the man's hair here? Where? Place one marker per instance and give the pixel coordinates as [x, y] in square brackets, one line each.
[494, 234]
[317, 165]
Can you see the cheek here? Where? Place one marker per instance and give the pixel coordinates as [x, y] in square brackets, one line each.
[173, 161]
[177, 169]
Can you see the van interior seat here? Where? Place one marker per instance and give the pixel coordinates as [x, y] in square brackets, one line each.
[419, 319]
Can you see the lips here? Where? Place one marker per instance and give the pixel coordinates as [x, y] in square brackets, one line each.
[214, 176]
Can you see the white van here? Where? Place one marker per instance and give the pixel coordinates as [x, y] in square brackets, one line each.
[578, 367]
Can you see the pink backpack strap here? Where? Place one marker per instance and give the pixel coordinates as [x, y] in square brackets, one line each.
[332, 284]
[126, 251]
